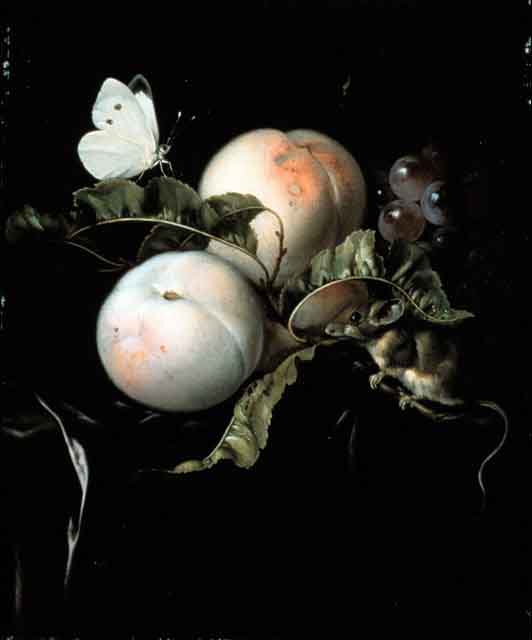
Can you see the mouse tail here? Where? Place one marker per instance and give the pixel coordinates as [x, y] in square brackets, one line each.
[502, 414]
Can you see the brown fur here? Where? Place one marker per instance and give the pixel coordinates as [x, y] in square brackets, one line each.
[423, 358]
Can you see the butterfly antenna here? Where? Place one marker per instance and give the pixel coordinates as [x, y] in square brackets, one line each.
[173, 132]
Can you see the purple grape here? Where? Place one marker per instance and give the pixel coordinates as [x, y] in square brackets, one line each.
[401, 220]
[410, 176]
[434, 203]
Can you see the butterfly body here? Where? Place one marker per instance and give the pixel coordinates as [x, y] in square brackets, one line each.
[126, 142]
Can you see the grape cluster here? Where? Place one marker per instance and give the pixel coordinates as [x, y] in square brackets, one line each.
[417, 194]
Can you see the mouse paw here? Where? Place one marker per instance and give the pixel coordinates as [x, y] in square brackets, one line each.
[406, 401]
[375, 380]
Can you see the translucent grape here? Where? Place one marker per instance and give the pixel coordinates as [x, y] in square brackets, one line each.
[410, 176]
[401, 220]
[435, 203]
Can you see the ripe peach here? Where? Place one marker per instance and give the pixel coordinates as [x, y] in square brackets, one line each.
[310, 180]
[181, 331]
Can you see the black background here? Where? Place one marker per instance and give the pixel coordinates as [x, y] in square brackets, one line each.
[304, 540]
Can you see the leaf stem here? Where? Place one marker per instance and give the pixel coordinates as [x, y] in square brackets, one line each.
[279, 234]
[423, 313]
[268, 285]
[118, 265]
[426, 315]
[176, 225]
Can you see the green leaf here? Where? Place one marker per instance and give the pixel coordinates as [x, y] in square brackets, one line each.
[185, 221]
[163, 198]
[28, 225]
[235, 212]
[310, 318]
[226, 217]
[408, 267]
[116, 198]
[356, 256]
[173, 200]
[247, 433]
[230, 202]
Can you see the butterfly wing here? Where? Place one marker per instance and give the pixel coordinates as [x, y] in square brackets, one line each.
[105, 154]
[142, 92]
[116, 108]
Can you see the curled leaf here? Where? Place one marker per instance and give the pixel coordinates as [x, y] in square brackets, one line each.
[320, 307]
[405, 269]
[356, 256]
[234, 213]
[408, 267]
[247, 432]
[29, 224]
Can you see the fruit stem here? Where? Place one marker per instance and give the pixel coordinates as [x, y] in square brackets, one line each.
[270, 279]
[171, 295]
[280, 234]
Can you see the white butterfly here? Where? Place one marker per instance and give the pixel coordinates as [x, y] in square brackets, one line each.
[127, 141]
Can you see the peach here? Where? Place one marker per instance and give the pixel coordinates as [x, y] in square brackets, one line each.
[309, 179]
[181, 331]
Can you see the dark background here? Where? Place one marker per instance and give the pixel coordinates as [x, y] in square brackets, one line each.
[393, 536]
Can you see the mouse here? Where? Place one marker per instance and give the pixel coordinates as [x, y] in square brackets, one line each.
[423, 358]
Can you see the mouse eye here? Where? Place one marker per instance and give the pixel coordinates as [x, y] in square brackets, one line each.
[356, 317]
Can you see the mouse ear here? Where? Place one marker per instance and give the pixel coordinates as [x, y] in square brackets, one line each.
[386, 311]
